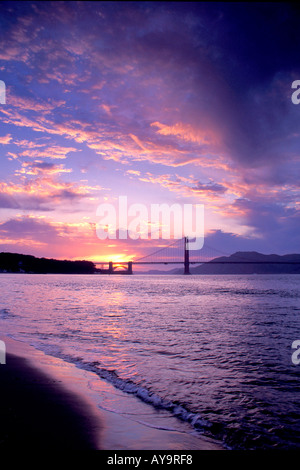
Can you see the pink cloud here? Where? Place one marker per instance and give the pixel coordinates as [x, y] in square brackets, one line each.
[186, 132]
[39, 167]
[44, 192]
[54, 152]
[6, 139]
[32, 104]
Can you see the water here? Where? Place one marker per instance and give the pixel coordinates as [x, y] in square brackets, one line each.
[214, 351]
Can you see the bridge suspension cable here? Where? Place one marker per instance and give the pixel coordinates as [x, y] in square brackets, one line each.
[163, 249]
[173, 253]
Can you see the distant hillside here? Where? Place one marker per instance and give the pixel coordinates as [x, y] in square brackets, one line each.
[17, 263]
[160, 271]
[250, 262]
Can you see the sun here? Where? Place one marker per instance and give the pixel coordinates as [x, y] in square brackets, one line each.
[116, 258]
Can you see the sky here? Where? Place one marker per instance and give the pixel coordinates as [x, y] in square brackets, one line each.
[161, 102]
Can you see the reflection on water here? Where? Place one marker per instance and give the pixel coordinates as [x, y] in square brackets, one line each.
[218, 346]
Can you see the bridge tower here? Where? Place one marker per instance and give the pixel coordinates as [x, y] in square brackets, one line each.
[186, 256]
[129, 267]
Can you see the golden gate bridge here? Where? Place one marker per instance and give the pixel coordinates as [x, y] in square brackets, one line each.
[178, 252]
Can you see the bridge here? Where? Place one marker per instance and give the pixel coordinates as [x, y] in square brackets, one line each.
[178, 252]
[161, 256]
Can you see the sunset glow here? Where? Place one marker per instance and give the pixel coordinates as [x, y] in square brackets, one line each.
[156, 101]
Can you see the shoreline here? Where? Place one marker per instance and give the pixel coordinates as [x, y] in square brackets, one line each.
[49, 403]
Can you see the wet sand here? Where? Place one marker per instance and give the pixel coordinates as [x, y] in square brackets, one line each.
[36, 412]
[46, 403]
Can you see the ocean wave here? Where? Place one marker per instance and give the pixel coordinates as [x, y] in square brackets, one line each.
[6, 313]
[177, 409]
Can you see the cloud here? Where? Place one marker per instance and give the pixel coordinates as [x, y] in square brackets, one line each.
[39, 167]
[28, 227]
[203, 118]
[271, 241]
[133, 172]
[165, 88]
[53, 152]
[222, 243]
[31, 104]
[8, 202]
[183, 131]
[45, 192]
[274, 224]
[209, 192]
[5, 139]
[210, 187]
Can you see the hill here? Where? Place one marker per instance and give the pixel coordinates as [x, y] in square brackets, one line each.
[251, 262]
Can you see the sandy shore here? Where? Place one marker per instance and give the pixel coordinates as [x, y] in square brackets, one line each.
[48, 403]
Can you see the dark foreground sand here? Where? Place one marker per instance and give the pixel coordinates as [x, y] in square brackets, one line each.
[36, 412]
[46, 403]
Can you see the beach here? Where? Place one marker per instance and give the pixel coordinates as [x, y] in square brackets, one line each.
[160, 363]
[46, 404]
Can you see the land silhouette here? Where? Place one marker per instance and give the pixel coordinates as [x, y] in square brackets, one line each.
[242, 262]
[18, 263]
